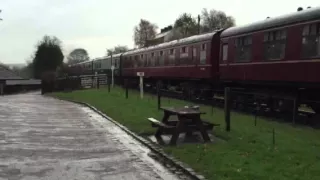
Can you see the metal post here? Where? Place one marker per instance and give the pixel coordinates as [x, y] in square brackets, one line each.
[227, 107]
[273, 137]
[141, 87]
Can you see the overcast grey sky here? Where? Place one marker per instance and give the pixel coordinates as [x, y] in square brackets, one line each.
[100, 24]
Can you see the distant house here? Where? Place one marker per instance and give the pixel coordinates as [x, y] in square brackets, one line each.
[7, 73]
[163, 36]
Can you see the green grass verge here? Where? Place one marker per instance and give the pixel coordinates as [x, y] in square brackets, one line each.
[247, 154]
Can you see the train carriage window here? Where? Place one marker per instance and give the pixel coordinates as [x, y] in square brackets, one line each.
[152, 62]
[203, 47]
[265, 38]
[132, 63]
[225, 52]
[305, 30]
[140, 60]
[183, 50]
[161, 58]
[275, 44]
[203, 54]
[171, 56]
[183, 55]
[313, 30]
[116, 63]
[194, 52]
[311, 41]
[145, 60]
[243, 49]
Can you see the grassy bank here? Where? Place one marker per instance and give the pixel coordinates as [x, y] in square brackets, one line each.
[248, 153]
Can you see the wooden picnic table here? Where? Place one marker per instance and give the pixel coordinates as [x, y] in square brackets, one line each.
[188, 121]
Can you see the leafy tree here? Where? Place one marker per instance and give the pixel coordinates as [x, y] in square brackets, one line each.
[77, 56]
[186, 25]
[143, 32]
[117, 49]
[214, 20]
[48, 56]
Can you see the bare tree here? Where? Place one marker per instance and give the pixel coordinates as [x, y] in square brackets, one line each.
[117, 49]
[143, 32]
[214, 20]
[77, 56]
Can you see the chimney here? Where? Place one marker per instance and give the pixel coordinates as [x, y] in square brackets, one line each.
[309, 7]
[300, 9]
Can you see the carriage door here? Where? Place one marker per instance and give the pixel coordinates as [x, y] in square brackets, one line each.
[194, 55]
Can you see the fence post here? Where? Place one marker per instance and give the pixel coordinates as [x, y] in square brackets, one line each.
[256, 109]
[213, 102]
[92, 81]
[273, 137]
[98, 83]
[126, 86]
[227, 107]
[295, 110]
[159, 95]
[108, 81]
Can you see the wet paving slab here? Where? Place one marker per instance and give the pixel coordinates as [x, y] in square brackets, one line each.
[45, 138]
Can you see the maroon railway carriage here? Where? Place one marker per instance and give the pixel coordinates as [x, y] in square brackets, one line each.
[280, 53]
[190, 59]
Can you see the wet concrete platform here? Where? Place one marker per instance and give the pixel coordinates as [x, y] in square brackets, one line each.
[45, 138]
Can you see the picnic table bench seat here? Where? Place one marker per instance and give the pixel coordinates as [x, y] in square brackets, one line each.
[188, 121]
[165, 128]
[157, 123]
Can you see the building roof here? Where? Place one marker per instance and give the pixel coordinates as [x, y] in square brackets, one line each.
[296, 17]
[6, 73]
